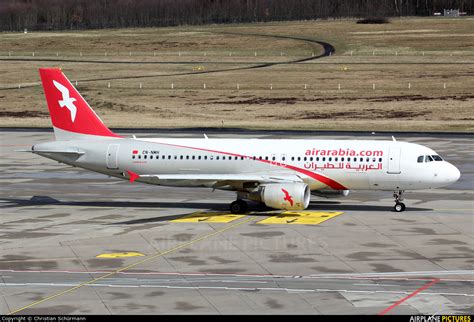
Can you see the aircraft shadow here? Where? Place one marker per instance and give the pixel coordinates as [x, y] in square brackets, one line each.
[352, 207]
[256, 209]
[13, 202]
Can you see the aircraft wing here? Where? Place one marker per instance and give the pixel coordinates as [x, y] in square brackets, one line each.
[223, 181]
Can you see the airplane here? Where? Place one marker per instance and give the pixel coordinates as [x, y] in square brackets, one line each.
[279, 173]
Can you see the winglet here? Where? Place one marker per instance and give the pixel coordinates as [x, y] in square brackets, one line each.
[132, 176]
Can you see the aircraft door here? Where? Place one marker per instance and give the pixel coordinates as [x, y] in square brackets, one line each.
[112, 156]
[394, 160]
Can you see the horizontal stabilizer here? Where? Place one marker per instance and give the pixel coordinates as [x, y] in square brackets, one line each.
[70, 152]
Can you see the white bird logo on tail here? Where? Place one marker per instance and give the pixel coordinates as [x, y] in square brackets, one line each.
[67, 101]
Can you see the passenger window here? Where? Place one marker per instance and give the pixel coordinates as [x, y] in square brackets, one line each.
[374, 159]
[282, 158]
[133, 157]
[292, 158]
[348, 159]
[324, 159]
[144, 157]
[192, 157]
[241, 158]
[299, 158]
[223, 158]
[266, 158]
[139, 156]
[330, 158]
[304, 158]
[317, 158]
[311, 159]
[342, 159]
[273, 158]
[199, 157]
[187, 157]
[380, 159]
[335, 159]
[181, 157]
[361, 159]
[217, 158]
[205, 157]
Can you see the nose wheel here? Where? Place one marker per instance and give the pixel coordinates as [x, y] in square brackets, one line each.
[238, 207]
[399, 205]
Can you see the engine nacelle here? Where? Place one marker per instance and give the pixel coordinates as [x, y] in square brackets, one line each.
[288, 196]
[330, 193]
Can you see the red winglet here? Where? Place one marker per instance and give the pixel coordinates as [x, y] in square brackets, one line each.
[132, 176]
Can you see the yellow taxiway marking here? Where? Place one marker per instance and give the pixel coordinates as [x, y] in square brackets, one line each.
[300, 217]
[156, 255]
[221, 217]
[119, 255]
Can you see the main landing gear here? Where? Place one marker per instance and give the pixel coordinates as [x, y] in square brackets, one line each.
[399, 205]
[238, 207]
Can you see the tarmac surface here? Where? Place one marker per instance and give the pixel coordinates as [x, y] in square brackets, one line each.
[76, 242]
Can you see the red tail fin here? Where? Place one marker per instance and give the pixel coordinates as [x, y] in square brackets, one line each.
[70, 114]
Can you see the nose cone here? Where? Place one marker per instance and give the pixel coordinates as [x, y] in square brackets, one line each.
[453, 174]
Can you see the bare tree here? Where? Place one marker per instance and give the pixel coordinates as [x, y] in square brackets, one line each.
[82, 14]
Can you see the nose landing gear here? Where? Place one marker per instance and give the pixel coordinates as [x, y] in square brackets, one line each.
[399, 205]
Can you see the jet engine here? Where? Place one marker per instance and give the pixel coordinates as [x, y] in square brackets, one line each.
[330, 193]
[288, 196]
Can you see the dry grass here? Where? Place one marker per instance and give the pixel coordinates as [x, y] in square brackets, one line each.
[426, 105]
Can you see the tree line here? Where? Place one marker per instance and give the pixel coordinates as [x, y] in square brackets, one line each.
[16, 15]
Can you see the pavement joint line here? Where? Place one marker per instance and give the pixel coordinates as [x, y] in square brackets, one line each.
[355, 276]
[158, 254]
[246, 288]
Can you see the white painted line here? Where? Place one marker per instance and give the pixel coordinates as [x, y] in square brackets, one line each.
[237, 288]
[375, 285]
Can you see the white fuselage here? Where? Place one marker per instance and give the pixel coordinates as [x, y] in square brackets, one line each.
[321, 164]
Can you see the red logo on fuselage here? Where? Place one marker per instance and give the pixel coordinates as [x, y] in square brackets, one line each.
[287, 197]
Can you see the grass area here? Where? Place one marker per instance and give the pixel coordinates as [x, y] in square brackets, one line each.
[411, 74]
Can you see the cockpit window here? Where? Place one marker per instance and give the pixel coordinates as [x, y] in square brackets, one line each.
[428, 158]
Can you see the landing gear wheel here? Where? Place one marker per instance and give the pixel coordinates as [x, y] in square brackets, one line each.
[238, 207]
[399, 207]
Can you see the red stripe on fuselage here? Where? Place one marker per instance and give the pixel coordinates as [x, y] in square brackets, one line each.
[327, 181]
